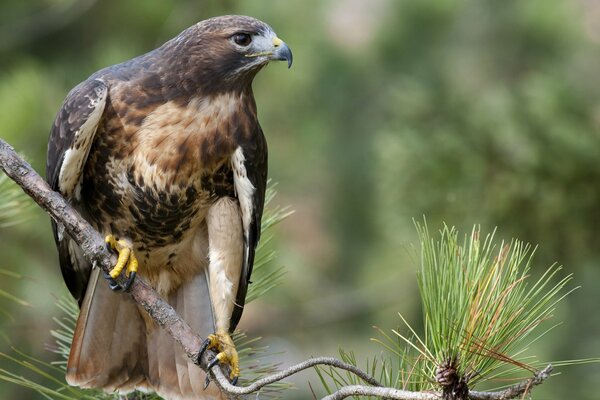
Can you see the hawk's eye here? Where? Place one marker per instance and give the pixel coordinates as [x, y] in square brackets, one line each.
[242, 39]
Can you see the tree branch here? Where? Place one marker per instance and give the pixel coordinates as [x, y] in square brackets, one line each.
[294, 369]
[381, 392]
[94, 249]
[516, 390]
[511, 392]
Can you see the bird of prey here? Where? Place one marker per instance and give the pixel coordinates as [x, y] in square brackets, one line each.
[163, 154]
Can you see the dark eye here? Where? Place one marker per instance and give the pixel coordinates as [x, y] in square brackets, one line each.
[242, 39]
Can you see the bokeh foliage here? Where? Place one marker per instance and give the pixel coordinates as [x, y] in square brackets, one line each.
[470, 112]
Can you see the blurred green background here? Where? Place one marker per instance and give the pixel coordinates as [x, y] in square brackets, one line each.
[468, 112]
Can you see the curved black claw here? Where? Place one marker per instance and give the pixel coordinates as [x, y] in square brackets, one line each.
[209, 343]
[214, 362]
[116, 286]
[203, 348]
[129, 282]
[112, 283]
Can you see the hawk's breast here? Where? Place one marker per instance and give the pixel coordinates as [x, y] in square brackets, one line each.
[152, 179]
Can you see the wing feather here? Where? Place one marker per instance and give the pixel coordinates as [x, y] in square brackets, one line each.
[70, 141]
[250, 181]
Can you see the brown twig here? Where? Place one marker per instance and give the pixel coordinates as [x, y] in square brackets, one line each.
[381, 392]
[94, 249]
[294, 369]
[516, 390]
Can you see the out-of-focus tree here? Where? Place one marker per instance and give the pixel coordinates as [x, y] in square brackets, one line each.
[465, 111]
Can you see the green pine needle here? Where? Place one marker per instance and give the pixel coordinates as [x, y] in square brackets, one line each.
[480, 308]
[15, 206]
[265, 274]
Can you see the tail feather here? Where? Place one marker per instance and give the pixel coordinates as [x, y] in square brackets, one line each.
[162, 371]
[116, 349]
[181, 360]
[108, 347]
[192, 302]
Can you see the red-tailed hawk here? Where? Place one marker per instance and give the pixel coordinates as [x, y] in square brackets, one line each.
[164, 155]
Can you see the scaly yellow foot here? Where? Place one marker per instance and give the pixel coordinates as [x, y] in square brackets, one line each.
[126, 258]
[227, 354]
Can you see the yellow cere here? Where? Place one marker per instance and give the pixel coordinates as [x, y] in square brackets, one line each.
[277, 42]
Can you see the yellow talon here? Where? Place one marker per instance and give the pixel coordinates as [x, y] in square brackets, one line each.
[126, 257]
[133, 264]
[121, 261]
[214, 342]
[222, 342]
[111, 241]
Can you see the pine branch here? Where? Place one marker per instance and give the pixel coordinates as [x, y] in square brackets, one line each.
[94, 249]
[514, 391]
[511, 392]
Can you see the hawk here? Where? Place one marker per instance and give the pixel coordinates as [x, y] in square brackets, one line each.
[163, 154]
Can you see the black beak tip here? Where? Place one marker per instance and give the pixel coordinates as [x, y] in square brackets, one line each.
[289, 57]
[284, 53]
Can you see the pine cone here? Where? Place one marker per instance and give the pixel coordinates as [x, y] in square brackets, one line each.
[446, 374]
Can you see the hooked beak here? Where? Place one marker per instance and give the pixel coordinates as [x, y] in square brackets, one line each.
[281, 51]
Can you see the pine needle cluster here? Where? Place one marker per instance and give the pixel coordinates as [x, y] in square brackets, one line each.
[481, 311]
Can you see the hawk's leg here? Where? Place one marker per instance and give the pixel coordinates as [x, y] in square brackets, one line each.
[225, 250]
[126, 259]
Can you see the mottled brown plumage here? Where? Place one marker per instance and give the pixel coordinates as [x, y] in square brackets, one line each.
[165, 151]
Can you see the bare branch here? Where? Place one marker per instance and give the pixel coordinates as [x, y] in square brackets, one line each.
[516, 390]
[381, 392]
[332, 362]
[512, 392]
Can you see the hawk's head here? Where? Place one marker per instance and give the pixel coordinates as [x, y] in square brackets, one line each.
[226, 51]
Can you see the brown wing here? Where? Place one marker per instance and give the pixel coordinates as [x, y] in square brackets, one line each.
[255, 164]
[70, 141]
